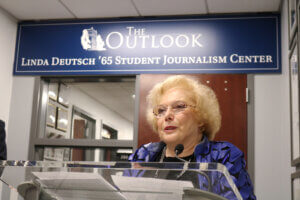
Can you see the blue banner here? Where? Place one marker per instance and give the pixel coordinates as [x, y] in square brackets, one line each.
[244, 44]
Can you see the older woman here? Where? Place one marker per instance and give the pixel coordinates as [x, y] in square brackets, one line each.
[183, 111]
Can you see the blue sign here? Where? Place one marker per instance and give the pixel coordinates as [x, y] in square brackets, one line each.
[244, 44]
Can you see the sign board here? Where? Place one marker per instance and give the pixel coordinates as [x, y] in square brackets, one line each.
[244, 44]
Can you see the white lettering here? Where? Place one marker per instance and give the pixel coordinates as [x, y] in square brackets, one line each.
[121, 39]
[34, 62]
[130, 30]
[23, 62]
[55, 61]
[136, 38]
[195, 41]
[134, 42]
[139, 31]
[269, 59]
[194, 59]
[144, 40]
[72, 61]
[162, 41]
[136, 60]
[185, 43]
[235, 58]
[153, 42]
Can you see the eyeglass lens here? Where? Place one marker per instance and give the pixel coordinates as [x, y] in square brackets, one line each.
[176, 107]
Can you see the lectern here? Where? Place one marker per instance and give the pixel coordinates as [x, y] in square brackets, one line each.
[41, 180]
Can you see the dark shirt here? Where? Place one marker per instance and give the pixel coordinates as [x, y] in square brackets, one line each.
[189, 158]
[3, 153]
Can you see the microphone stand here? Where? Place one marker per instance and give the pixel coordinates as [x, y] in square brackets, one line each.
[185, 167]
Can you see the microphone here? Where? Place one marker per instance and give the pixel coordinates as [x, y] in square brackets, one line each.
[179, 149]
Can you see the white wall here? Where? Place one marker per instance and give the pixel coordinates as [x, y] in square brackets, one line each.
[8, 27]
[20, 118]
[272, 128]
[100, 112]
[16, 93]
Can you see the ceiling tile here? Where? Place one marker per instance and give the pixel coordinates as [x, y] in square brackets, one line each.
[170, 7]
[56, 9]
[239, 6]
[101, 8]
[33, 9]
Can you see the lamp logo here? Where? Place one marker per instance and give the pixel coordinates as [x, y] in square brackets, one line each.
[91, 40]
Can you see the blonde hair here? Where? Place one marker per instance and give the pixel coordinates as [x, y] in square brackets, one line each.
[207, 106]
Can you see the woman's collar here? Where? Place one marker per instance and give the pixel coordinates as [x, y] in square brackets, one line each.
[203, 146]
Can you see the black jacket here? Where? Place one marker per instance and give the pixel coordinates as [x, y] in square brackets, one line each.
[3, 153]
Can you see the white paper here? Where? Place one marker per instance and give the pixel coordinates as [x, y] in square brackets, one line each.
[77, 186]
[90, 186]
[137, 188]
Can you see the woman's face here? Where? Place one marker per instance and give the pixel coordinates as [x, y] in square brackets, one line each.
[181, 127]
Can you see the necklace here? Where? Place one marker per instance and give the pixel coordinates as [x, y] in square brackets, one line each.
[184, 159]
[185, 166]
[162, 156]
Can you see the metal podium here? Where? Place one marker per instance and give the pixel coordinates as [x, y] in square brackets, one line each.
[41, 180]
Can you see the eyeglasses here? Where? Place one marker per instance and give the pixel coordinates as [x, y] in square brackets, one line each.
[176, 107]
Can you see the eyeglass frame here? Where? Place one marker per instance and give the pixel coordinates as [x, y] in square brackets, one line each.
[174, 112]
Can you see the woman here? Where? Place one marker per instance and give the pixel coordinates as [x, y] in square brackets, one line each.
[183, 111]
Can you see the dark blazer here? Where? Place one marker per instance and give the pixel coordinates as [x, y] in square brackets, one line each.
[3, 153]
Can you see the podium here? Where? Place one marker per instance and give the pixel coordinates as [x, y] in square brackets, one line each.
[44, 180]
